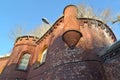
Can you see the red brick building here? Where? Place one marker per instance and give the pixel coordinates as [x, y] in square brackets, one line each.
[72, 49]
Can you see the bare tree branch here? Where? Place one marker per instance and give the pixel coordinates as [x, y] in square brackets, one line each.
[20, 31]
[88, 12]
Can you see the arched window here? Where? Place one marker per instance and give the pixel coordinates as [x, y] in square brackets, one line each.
[43, 57]
[23, 64]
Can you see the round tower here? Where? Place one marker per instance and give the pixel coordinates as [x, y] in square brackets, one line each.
[75, 53]
[21, 59]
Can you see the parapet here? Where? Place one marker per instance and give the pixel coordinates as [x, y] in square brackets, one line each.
[26, 40]
[98, 25]
[4, 58]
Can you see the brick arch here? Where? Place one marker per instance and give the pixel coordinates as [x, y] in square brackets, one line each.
[20, 58]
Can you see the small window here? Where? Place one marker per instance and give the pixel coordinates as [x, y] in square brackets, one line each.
[24, 62]
[43, 57]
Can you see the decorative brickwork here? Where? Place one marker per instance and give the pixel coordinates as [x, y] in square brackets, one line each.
[61, 62]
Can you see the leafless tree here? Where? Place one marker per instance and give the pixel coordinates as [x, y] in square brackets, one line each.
[117, 20]
[16, 32]
[85, 11]
[37, 32]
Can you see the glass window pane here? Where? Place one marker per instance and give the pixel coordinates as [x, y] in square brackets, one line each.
[24, 62]
[43, 56]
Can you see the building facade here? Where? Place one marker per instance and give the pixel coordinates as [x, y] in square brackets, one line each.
[72, 49]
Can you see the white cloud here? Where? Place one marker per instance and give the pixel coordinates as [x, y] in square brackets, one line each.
[8, 54]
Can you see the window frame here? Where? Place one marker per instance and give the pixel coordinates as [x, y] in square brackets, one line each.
[44, 55]
[17, 67]
[39, 61]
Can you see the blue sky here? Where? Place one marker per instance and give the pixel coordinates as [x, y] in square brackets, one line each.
[28, 14]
